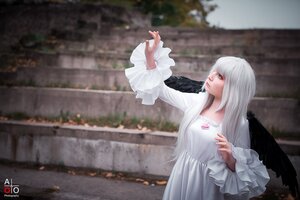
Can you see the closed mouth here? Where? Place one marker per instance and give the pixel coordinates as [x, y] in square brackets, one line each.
[207, 84]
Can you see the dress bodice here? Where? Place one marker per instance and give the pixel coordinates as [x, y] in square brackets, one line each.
[201, 143]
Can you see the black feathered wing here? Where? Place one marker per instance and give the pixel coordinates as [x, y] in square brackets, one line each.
[184, 84]
[271, 154]
[262, 141]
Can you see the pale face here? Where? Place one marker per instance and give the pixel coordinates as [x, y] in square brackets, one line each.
[214, 84]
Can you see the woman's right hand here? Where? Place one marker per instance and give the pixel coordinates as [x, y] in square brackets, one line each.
[150, 50]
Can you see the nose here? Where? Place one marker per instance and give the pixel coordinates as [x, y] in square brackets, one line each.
[211, 76]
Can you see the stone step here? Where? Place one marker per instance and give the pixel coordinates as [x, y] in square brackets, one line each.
[66, 20]
[267, 85]
[77, 146]
[188, 37]
[192, 32]
[239, 43]
[194, 36]
[262, 66]
[107, 44]
[87, 60]
[277, 114]
[126, 150]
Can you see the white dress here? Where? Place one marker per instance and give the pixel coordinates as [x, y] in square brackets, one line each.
[199, 173]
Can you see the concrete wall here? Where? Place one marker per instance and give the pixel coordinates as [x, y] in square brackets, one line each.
[102, 148]
[217, 44]
[184, 63]
[89, 103]
[215, 37]
[67, 21]
[281, 114]
[207, 42]
[267, 85]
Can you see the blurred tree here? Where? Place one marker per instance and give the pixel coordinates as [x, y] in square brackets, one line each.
[190, 13]
[176, 12]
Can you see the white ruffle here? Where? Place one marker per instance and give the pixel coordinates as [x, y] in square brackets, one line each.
[147, 83]
[250, 176]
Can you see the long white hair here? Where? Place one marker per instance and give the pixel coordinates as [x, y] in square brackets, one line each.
[239, 89]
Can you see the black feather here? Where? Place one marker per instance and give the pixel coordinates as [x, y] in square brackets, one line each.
[262, 141]
[184, 84]
[271, 154]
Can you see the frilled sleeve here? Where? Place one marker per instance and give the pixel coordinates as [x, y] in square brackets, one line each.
[250, 176]
[146, 83]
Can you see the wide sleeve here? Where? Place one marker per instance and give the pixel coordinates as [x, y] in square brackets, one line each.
[149, 84]
[250, 176]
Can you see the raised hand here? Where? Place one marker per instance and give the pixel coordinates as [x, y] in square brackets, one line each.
[150, 50]
[225, 151]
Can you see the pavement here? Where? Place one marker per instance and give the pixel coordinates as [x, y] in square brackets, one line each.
[52, 183]
[35, 184]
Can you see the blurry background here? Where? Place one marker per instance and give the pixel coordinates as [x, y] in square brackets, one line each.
[246, 14]
[65, 101]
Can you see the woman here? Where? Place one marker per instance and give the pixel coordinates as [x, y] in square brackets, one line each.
[213, 155]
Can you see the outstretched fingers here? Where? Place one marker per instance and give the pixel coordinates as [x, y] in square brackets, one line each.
[155, 35]
[150, 50]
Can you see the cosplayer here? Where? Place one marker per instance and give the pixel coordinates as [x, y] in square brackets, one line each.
[214, 159]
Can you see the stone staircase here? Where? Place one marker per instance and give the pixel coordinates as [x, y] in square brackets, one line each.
[85, 76]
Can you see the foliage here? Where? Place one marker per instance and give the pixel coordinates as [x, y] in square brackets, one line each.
[163, 12]
[17, 116]
[174, 13]
[123, 3]
[118, 120]
[166, 12]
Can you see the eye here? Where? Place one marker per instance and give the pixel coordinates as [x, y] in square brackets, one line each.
[220, 76]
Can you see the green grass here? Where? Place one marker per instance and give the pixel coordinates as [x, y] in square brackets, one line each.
[132, 123]
[32, 83]
[188, 52]
[17, 116]
[124, 121]
[114, 121]
[61, 85]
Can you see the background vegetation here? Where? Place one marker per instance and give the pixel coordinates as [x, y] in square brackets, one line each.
[188, 13]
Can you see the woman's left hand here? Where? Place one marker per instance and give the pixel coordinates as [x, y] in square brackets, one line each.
[225, 151]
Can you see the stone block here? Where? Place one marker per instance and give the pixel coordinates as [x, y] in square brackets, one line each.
[280, 114]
